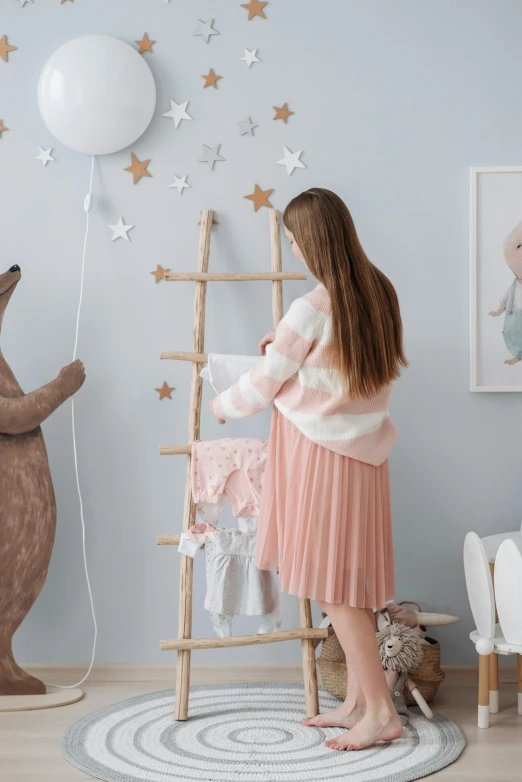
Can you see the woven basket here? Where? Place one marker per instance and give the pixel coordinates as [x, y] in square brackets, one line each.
[332, 666]
[428, 675]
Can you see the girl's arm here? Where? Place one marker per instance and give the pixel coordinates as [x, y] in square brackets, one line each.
[255, 390]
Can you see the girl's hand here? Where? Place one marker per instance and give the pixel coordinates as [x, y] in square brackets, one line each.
[267, 340]
[221, 421]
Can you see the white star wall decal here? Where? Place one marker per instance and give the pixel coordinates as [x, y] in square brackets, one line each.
[250, 57]
[180, 183]
[178, 111]
[45, 156]
[291, 160]
[120, 230]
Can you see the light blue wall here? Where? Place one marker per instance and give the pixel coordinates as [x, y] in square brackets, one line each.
[393, 102]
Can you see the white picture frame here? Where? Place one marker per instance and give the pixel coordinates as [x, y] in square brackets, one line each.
[495, 210]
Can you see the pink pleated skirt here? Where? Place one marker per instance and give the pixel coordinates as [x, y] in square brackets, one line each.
[325, 522]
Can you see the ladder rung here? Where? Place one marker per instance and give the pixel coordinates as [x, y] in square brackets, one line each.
[300, 633]
[228, 277]
[176, 355]
[168, 540]
[174, 450]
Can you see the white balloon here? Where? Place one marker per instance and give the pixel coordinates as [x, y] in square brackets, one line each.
[96, 94]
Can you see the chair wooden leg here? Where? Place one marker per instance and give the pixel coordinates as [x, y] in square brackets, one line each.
[309, 664]
[483, 691]
[493, 683]
[519, 679]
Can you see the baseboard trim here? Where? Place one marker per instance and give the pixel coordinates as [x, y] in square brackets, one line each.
[167, 673]
[507, 674]
[223, 672]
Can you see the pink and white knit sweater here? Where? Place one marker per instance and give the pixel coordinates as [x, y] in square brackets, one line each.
[295, 375]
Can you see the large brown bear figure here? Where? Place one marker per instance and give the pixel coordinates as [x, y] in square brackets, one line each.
[27, 505]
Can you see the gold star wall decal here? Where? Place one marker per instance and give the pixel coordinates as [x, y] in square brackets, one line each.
[138, 169]
[5, 48]
[159, 274]
[260, 198]
[165, 391]
[211, 79]
[2, 127]
[64, 1]
[283, 112]
[145, 44]
[255, 8]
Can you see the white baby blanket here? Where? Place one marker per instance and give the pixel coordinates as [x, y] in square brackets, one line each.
[223, 371]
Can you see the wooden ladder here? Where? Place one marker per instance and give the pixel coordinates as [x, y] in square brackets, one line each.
[184, 644]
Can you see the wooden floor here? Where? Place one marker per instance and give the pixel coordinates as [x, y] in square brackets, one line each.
[30, 741]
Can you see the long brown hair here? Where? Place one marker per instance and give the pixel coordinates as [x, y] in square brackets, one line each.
[367, 327]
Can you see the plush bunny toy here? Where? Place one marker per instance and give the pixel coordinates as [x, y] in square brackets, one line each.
[401, 652]
[511, 302]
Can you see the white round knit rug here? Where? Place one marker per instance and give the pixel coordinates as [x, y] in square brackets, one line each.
[245, 732]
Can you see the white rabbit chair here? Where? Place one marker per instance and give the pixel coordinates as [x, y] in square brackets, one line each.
[488, 637]
[492, 544]
[508, 598]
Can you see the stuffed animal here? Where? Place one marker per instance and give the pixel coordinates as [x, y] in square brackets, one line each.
[511, 302]
[27, 505]
[408, 617]
[401, 651]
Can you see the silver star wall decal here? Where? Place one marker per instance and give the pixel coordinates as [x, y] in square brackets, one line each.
[210, 155]
[291, 160]
[246, 127]
[250, 57]
[178, 112]
[23, 2]
[180, 183]
[205, 29]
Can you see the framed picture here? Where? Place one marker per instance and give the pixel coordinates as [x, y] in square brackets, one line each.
[496, 278]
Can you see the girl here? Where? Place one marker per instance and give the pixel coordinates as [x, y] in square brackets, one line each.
[325, 516]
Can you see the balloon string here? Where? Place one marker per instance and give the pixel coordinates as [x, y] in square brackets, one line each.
[87, 207]
[87, 211]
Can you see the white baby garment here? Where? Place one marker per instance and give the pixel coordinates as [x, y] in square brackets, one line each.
[234, 584]
[223, 371]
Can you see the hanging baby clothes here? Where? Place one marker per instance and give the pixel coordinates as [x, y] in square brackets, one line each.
[190, 542]
[223, 371]
[232, 468]
[234, 584]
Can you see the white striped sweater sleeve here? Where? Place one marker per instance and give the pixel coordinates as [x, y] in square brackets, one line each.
[255, 390]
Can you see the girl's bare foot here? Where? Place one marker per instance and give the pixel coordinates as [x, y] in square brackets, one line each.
[367, 732]
[511, 361]
[342, 717]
